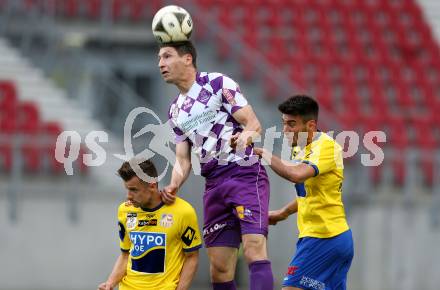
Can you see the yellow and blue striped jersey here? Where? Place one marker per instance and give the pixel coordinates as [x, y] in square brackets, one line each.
[157, 240]
[321, 212]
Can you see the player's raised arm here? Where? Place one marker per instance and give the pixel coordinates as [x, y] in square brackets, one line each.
[297, 173]
[180, 172]
[118, 272]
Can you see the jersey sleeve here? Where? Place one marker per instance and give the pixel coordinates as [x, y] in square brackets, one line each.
[124, 239]
[179, 136]
[324, 157]
[232, 98]
[191, 238]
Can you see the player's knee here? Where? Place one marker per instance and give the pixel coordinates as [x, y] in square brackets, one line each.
[221, 272]
[219, 268]
[254, 250]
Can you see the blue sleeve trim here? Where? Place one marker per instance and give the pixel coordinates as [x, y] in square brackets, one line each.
[124, 250]
[300, 189]
[192, 249]
[313, 165]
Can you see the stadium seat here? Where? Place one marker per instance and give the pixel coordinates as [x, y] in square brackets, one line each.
[8, 95]
[226, 21]
[28, 120]
[94, 9]
[69, 8]
[31, 155]
[50, 132]
[5, 155]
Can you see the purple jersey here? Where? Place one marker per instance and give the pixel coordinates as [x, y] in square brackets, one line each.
[203, 117]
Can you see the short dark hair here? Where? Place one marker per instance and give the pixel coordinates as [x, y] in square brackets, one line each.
[183, 47]
[300, 105]
[126, 172]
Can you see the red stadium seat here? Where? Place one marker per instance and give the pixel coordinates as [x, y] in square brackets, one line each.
[399, 134]
[70, 8]
[399, 169]
[8, 108]
[138, 10]
[5, 153]
[8, 95]
[226, 21]
[31, 155]
[50, 131]
[28, 120]
[94, 9]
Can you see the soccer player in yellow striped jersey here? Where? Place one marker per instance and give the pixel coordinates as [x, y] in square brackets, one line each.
[325, 245]
[159, 243]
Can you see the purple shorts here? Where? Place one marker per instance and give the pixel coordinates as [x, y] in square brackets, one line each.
[236, 202]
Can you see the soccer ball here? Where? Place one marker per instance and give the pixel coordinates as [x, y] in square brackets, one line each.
[172, 24]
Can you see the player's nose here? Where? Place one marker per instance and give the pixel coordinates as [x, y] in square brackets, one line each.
[160, 64]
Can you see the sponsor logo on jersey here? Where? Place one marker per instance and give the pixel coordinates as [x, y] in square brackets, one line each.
[204, 96]
[121, 231]
[150, 222]
[312, 283]
[229, 97]
[143, 242]
[187, 103]
[188, 236]
[214, 228]
[167, 220]
[175, 112]
[240, 211]
[291, 270]
[148, 252]
[131, 220]
[243, 212]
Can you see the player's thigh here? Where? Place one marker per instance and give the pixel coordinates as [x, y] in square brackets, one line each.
[255, 247]
[248, 197]
[223, 259]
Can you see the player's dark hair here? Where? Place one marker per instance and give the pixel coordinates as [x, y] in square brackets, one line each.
[126, 172]
[183, 47]
[300, 105]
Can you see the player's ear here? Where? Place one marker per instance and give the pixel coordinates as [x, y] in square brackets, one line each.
[311, 125]
[188, 59]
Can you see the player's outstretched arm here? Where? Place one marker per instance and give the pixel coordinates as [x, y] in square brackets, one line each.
[296, 173]
[118, 272]
[189, 270]
[276, 216]
[180, 173]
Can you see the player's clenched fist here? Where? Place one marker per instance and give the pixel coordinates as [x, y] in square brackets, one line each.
[276, 216]
[105, 286]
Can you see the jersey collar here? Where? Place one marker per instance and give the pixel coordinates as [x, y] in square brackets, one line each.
[153, 209]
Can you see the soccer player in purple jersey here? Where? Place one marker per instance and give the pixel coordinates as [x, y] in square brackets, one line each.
[209, 115]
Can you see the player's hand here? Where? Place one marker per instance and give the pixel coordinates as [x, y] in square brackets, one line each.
[168, 194]
[240, 141]
[276, 216]
[258, 151]
[233, 141]
[105, 286]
